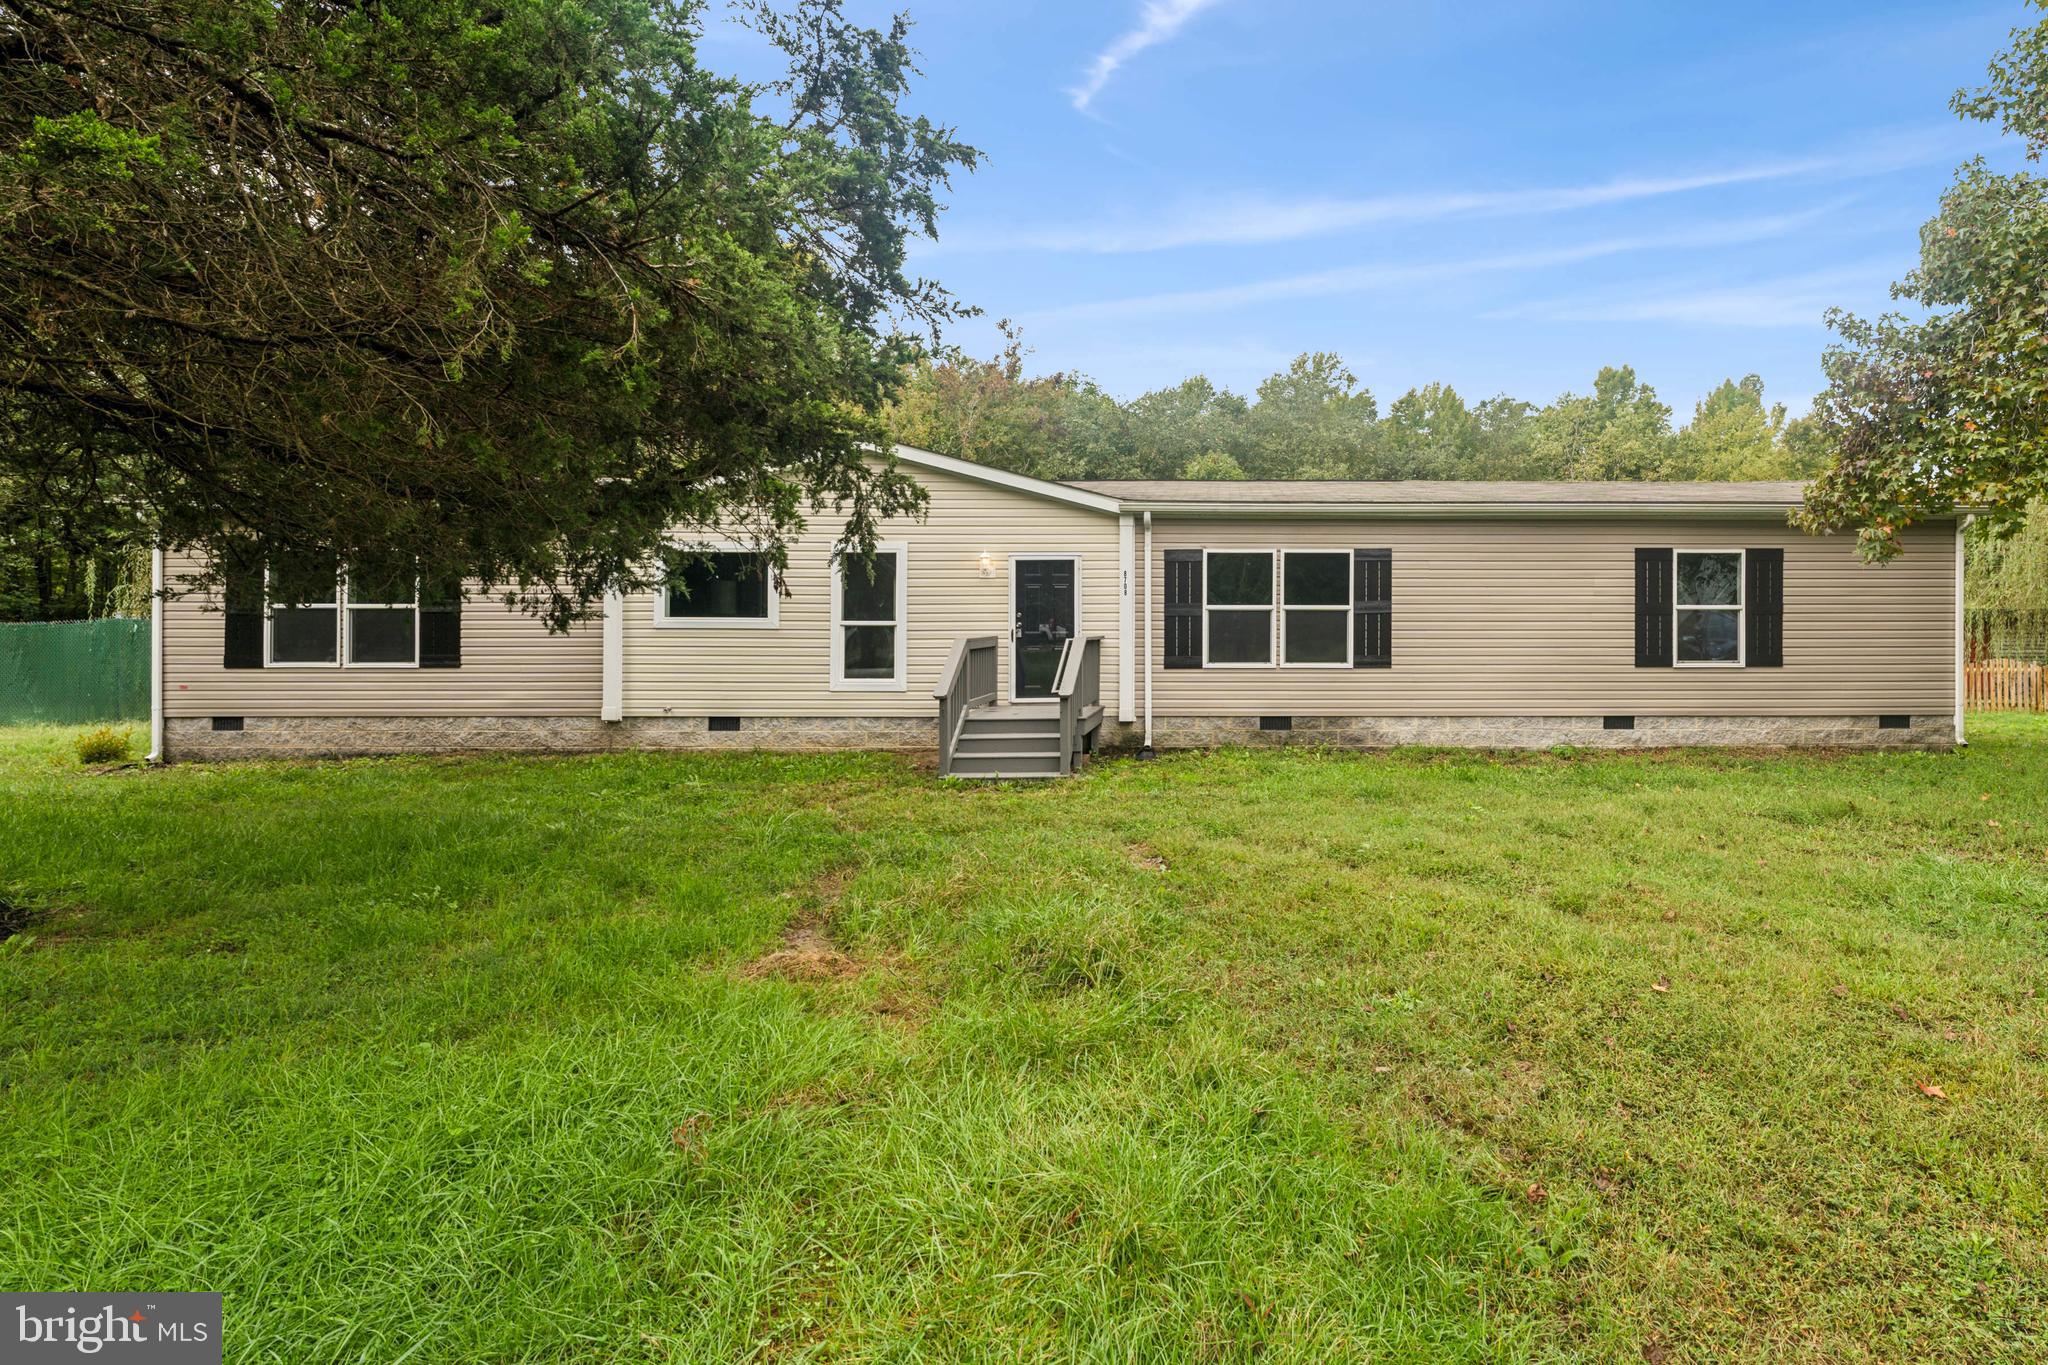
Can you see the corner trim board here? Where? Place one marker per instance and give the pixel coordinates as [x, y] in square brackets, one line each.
[1148, 631]
[1126, 601]
[156, 653]
[1962, 525]
[612, 706]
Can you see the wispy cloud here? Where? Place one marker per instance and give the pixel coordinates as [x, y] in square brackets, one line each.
[1364, 278]
[1159, 21]
[1247, 220]
[1786, 301]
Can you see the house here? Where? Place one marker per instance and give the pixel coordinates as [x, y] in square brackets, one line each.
[1022, 622]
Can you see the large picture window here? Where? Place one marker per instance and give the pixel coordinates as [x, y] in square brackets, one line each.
[1707, 602]
[1238, 629]
[1315, 608]
[719, 588]
[868, 645]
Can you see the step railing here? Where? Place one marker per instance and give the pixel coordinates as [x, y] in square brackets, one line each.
[968, 681]
[1077, 683]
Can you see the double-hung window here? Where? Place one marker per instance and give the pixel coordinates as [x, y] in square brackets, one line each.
[302, 621]
[869, 651]
[1238, 620]
[1315, 608]
[1708, 604]
[317, 617]
[719, 588]
[383, 625]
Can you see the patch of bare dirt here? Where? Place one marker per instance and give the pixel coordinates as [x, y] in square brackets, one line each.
[907, 1009]
[805, 953]
[1143, 855]
[828, 886]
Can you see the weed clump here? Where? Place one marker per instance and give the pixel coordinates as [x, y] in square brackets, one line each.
[105, 745]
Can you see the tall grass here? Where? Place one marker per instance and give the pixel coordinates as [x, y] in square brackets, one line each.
[1294, 1057]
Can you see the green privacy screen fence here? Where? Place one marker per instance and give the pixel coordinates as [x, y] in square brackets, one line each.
[63, 672]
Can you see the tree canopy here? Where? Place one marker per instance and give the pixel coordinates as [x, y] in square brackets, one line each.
[1314, 420]
[506, 287]
[2006, 589]
[1949, 407]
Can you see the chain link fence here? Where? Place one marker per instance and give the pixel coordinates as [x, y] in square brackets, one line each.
[67, 672]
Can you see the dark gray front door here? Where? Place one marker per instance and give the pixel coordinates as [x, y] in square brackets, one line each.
[1044, 594]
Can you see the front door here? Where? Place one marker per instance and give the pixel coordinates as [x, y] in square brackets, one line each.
[1043, 614]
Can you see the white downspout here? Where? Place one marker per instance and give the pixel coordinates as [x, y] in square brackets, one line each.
[1962, 524]
[156, 654]
[612, 706]
[1147, 751]
[1126, 540]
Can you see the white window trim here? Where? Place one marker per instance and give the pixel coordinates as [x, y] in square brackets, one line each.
[1740, 609]
[341, 606]
[714, 546]
[1272, 608]
[1343, 608]
[1011, 619]
[901, 682]
[412, 606]
[270, 659]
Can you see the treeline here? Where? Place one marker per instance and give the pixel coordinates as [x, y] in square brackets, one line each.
[1314, 420]
[67, 553]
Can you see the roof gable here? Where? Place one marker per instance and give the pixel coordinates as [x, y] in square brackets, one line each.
[1072, 494]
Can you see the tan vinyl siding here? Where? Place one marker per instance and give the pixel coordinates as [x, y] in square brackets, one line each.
[511, 666]
[1537, 617]
[786, 671]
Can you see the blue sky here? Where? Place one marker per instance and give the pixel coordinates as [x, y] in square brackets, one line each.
[1503, 196]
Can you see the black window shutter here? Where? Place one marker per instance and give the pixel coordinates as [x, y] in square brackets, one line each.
[1183, 608]
[242, 603]
[1372, 608]
[1653, 608]
[1763, 608]
[441, 624]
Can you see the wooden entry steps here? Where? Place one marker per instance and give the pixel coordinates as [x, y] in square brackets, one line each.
[982, 738]
[1019, 740]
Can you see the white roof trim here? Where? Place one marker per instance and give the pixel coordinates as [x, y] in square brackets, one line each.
[1003, 478]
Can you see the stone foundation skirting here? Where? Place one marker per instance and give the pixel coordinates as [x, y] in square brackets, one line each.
[194, 738]
[1543, 732]
[790, 734]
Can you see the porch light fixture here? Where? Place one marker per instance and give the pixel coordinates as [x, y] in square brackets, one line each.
[988, 565]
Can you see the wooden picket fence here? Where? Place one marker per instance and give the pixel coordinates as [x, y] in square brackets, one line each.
[2005, 685]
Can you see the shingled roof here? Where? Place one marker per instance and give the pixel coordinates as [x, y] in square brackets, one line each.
[1393, 493]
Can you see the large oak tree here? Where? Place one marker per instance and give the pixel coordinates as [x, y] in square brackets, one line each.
[505, 286]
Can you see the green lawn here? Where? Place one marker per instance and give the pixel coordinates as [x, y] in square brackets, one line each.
[1287, 1057]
